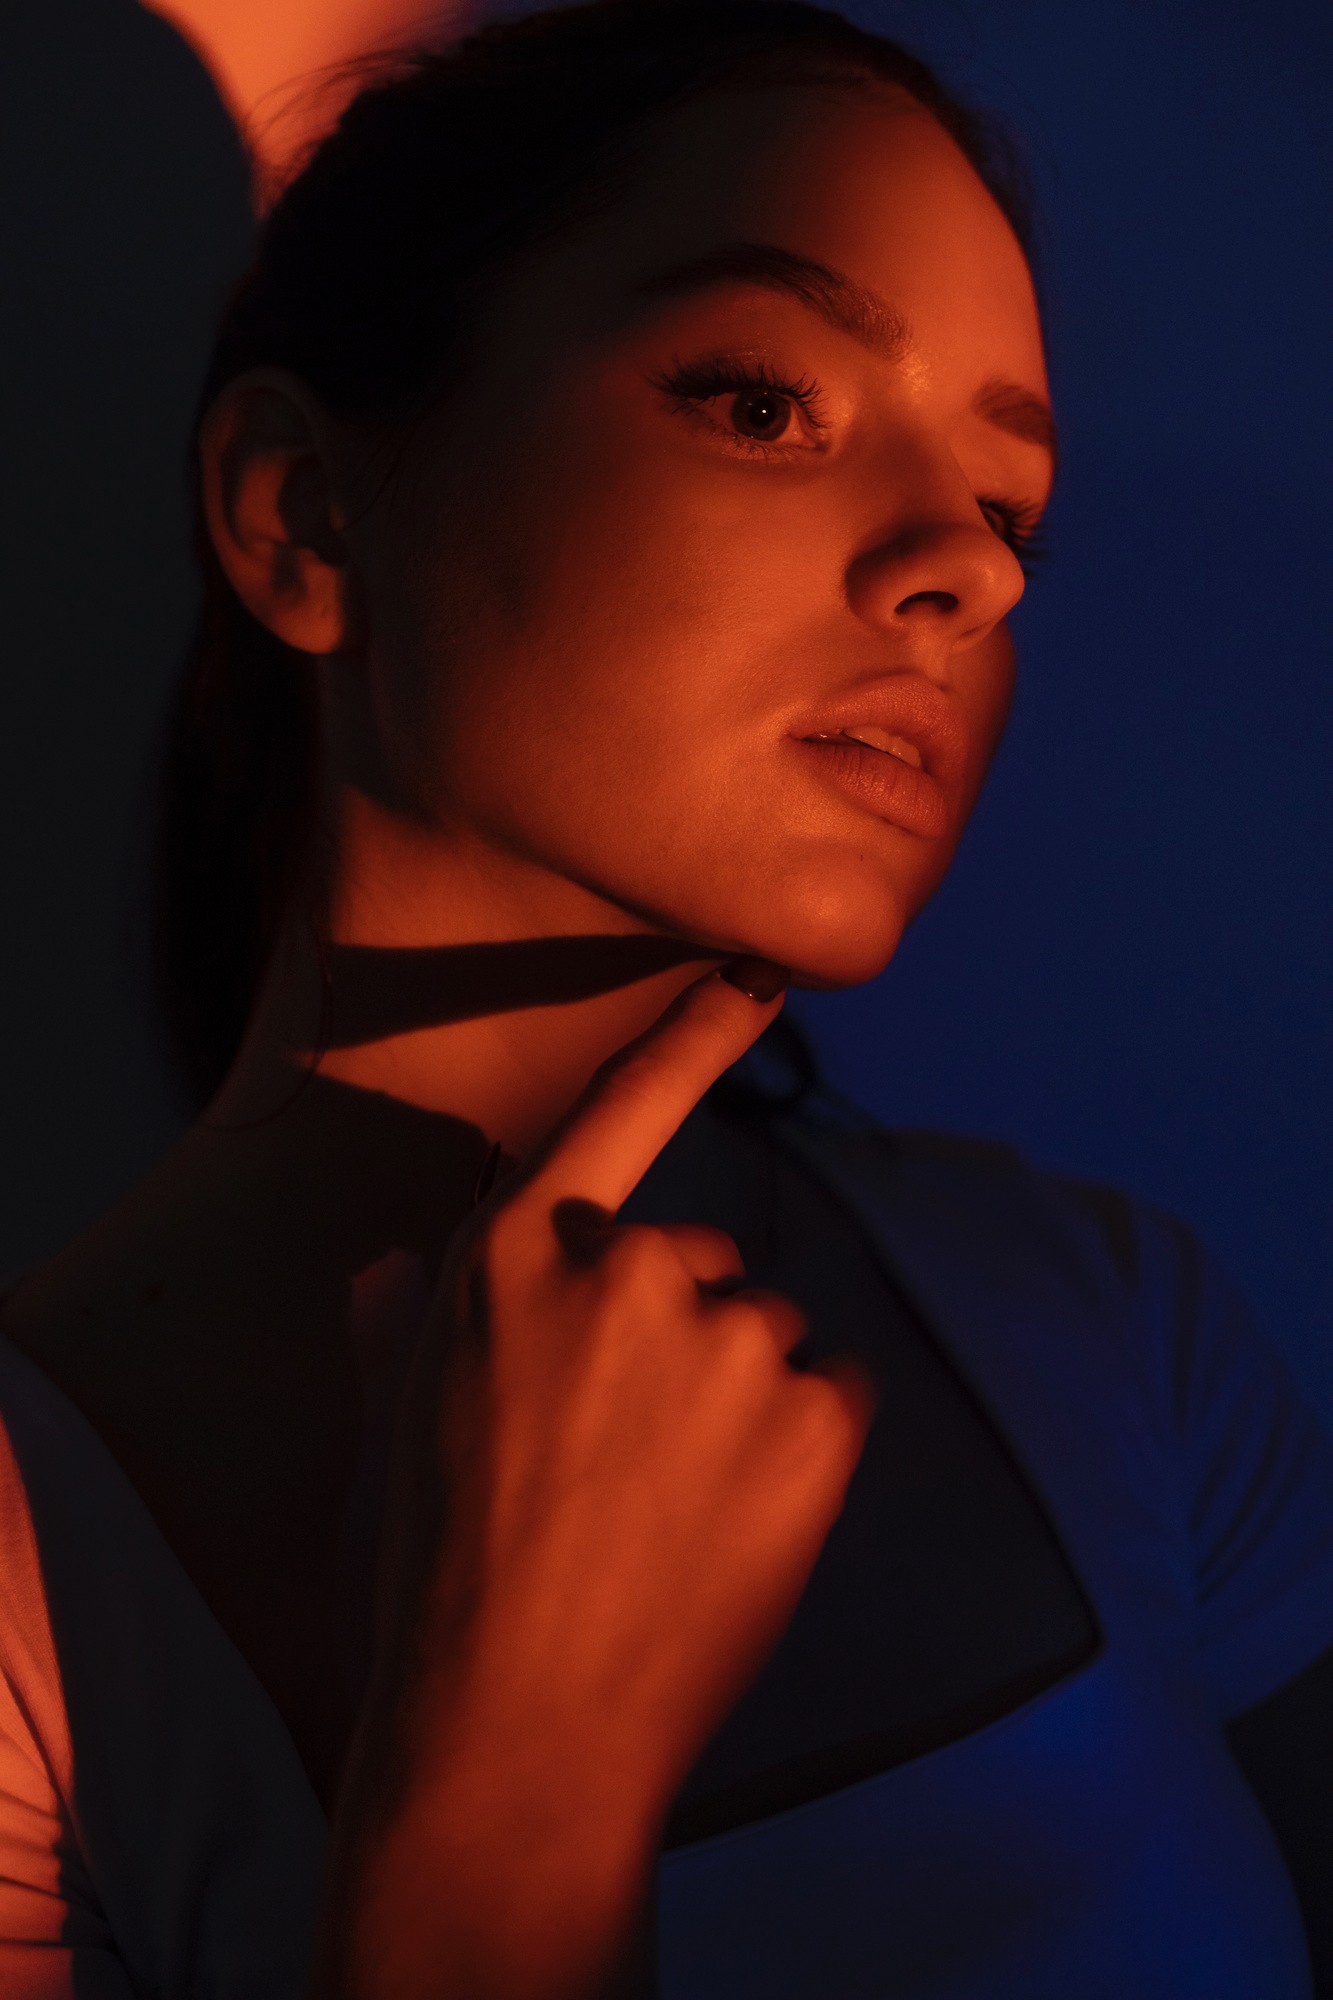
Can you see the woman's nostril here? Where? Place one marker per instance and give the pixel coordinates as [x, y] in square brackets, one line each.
[933, 600]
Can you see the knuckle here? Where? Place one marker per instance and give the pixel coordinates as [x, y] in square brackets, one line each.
[637, 1253]
[772, 1319]
[837, 1417]
[711, 1251]
[785, 1317]
[704, 1235]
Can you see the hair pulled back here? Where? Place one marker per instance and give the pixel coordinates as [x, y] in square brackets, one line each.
[448, 162]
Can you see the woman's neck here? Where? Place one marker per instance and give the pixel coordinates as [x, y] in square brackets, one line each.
[501, 1035]
[450, 977]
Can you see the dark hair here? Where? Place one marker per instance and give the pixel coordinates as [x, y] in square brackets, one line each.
[447, 163]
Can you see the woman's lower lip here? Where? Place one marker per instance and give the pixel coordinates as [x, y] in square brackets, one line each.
[885, 785]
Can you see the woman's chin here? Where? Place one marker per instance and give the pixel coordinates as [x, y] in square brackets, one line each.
[829, 971]
[821, 957]
[831, 925]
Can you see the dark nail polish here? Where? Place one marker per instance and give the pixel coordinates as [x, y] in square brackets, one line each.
[758, 977]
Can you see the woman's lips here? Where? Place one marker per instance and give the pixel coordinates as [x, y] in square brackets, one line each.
[898, 745]
[885, 781]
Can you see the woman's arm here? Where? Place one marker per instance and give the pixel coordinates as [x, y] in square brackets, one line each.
[1284, 1745]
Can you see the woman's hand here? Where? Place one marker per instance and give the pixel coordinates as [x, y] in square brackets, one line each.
[611, 1490]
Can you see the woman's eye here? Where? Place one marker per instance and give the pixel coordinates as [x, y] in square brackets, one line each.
[745, 402]
[763, 415]
[1016, 526]
[1000, 519]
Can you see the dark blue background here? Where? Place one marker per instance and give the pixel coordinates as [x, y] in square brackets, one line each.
[1130, 970]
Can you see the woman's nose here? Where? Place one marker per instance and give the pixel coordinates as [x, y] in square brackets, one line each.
[950, 580]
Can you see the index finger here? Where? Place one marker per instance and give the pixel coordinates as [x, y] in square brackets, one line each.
[606, 1143]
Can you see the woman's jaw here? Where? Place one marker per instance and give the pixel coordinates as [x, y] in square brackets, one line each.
[820, 866]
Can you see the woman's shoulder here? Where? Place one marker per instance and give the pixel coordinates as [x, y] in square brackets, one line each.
[983, 1189]
[1076, 1267]
[1139, 1324]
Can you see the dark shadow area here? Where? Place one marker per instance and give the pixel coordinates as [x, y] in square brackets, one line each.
[375, 992]
[125, 218]
[416, 1171]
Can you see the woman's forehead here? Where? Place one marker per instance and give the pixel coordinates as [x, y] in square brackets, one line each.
[865, 184]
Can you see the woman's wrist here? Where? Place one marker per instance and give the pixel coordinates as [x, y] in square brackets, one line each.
[505, 1864]
[536, 1904]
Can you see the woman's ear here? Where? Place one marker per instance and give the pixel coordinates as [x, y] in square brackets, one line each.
[269, 489]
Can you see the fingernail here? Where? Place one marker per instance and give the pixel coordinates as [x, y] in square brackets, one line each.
[758, 977]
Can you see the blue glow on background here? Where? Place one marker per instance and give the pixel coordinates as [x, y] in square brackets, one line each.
[1129, 971]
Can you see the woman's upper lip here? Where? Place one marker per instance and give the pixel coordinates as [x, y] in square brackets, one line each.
[902, 704]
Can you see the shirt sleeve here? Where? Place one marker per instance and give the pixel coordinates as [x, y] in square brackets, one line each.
[1256, 1479]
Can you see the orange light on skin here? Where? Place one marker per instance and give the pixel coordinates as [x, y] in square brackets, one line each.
[262, 53]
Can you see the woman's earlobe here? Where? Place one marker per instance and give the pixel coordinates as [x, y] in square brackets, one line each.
[272, 511]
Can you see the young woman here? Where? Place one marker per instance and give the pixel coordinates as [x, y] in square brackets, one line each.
[519, 1470]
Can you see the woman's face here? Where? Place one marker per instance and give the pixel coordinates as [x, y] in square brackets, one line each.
[702, 557]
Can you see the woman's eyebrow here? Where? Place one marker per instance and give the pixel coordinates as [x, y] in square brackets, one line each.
[1014, 409]
[851, 308]
[846, 305]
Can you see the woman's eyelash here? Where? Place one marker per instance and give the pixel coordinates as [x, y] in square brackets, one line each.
[1018, 529]
[694, 382]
